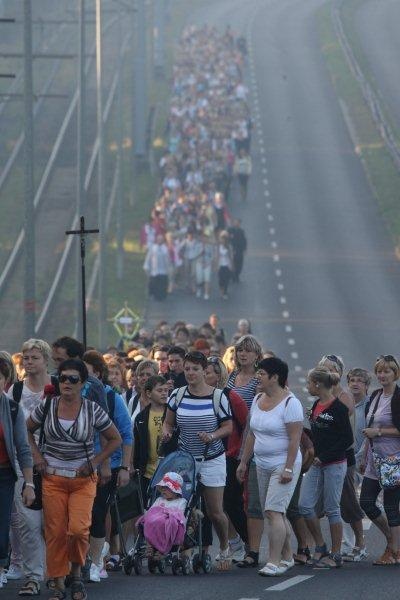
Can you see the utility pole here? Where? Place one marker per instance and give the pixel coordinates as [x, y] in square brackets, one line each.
[139, 84]
[159, 37]
[102, 286]
[120, 107]
[81, 162]
[29, 192]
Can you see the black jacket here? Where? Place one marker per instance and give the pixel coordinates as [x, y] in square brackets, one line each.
[141, 441]
[331, 432]
[394, 405]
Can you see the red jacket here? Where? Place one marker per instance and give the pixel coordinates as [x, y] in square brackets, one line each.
[239, 419]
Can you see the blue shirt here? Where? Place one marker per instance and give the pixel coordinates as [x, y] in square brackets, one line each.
[122, 422]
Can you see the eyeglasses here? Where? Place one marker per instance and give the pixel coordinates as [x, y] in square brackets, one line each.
[388, 358]
[74, 379]
[214, 360]
[195, 354]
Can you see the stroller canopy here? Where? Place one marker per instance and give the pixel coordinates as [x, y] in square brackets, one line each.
[181, 462]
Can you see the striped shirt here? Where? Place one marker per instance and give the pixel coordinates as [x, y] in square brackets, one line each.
[247, 392]
[69, 445]
[194, 414]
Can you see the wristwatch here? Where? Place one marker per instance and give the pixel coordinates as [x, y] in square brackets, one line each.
[288, 470]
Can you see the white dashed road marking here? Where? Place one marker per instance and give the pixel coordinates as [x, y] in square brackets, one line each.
[294, 355]
[278, 272]
[288, 328]
[266, 193]
[280, 587]
[271, 229]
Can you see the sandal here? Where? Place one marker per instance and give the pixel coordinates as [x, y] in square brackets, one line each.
[30, 588]
[387, 559]
[322, 550]
[78, 591]
[300, 553]
[58, 594]
[250, 560]
[335, 557]
[113, 564]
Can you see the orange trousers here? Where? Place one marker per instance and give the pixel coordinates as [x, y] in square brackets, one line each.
[67, 508]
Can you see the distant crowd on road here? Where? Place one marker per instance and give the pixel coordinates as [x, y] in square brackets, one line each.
[72, 440]
[191, 233]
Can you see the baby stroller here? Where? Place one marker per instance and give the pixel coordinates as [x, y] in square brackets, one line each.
[183, 463]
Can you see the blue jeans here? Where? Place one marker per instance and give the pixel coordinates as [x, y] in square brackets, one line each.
[326, 483]
[7, 484]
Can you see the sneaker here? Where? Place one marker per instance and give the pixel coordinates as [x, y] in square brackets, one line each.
[356, 555]
[3, 579]
[206, 297]
[94, 575]
[285, 565]
[270, 570]
[14, 572]
[103, 574]
[238, 553]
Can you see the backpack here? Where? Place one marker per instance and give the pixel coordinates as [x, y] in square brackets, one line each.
[19, 385]
[14, 408]
[217, 397]
[111, 404]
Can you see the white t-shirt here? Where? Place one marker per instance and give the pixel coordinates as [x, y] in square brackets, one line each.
[29, 399]
[175, 504]
[269, 429]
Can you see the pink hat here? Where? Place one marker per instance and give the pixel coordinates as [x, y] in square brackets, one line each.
[173, 481]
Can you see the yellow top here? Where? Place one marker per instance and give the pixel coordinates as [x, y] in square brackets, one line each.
[155, 430]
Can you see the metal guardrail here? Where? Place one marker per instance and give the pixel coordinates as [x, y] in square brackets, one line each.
[370, 96]
[75, 222]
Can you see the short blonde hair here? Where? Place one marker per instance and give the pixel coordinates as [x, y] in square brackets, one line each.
[40, 345]
[250, 343]
[215, 361]
[389, 361]
[147, 364]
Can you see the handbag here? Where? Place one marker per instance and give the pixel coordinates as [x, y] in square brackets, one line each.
[37, 477]
[388, 467]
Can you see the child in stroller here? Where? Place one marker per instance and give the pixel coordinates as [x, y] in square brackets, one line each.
[164, 523]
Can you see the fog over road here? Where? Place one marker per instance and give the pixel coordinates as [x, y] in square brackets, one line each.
[320, 275]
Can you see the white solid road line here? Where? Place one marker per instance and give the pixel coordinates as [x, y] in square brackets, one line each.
[280, 587]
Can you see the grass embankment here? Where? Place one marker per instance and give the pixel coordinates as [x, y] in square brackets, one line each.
[382, 174]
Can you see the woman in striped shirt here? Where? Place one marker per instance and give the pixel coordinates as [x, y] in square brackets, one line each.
[204, 419]
[68, 465]
[244, 382]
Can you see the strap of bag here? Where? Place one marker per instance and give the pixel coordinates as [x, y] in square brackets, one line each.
[14, 408]
[111, 404]
[180, 394]
[371, 419]
[17, 390]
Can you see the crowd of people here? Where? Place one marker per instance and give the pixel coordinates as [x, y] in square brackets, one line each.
[191, 232]
[72, 438]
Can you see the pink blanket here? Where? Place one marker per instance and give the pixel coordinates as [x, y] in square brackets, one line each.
[163, 528]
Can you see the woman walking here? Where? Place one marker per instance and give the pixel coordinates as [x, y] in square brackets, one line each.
[225, 263]
[332, 436]
[383, 444]
[202, 427]
[276, 423]
[14, 447]
[68, 465]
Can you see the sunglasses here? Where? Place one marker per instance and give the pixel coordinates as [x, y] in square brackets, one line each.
[74, 379]
[387, 358]
[196, 355]
[333, 358]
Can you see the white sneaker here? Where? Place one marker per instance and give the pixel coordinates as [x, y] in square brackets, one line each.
[238, 553]
[285, 565]
[356, 555]
[206, 297]
[270, 570]
[14, 572]
[94, 575]
[3, 579]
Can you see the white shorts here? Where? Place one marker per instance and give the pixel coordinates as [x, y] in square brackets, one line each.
[212, 472]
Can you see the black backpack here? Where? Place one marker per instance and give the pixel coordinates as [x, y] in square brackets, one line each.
[19, 386]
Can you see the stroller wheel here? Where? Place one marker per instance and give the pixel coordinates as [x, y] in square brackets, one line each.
[137, 564]
[197, 563]
[175, 565]
[151, 565]
[206, 563]
[161, 566]
[185, 565]
[127, 565]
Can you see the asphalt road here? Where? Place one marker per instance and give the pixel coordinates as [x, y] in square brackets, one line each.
[320, 275]
[376, 24]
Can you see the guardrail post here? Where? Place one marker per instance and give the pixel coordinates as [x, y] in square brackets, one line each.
[80, 163]
[29, 192]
